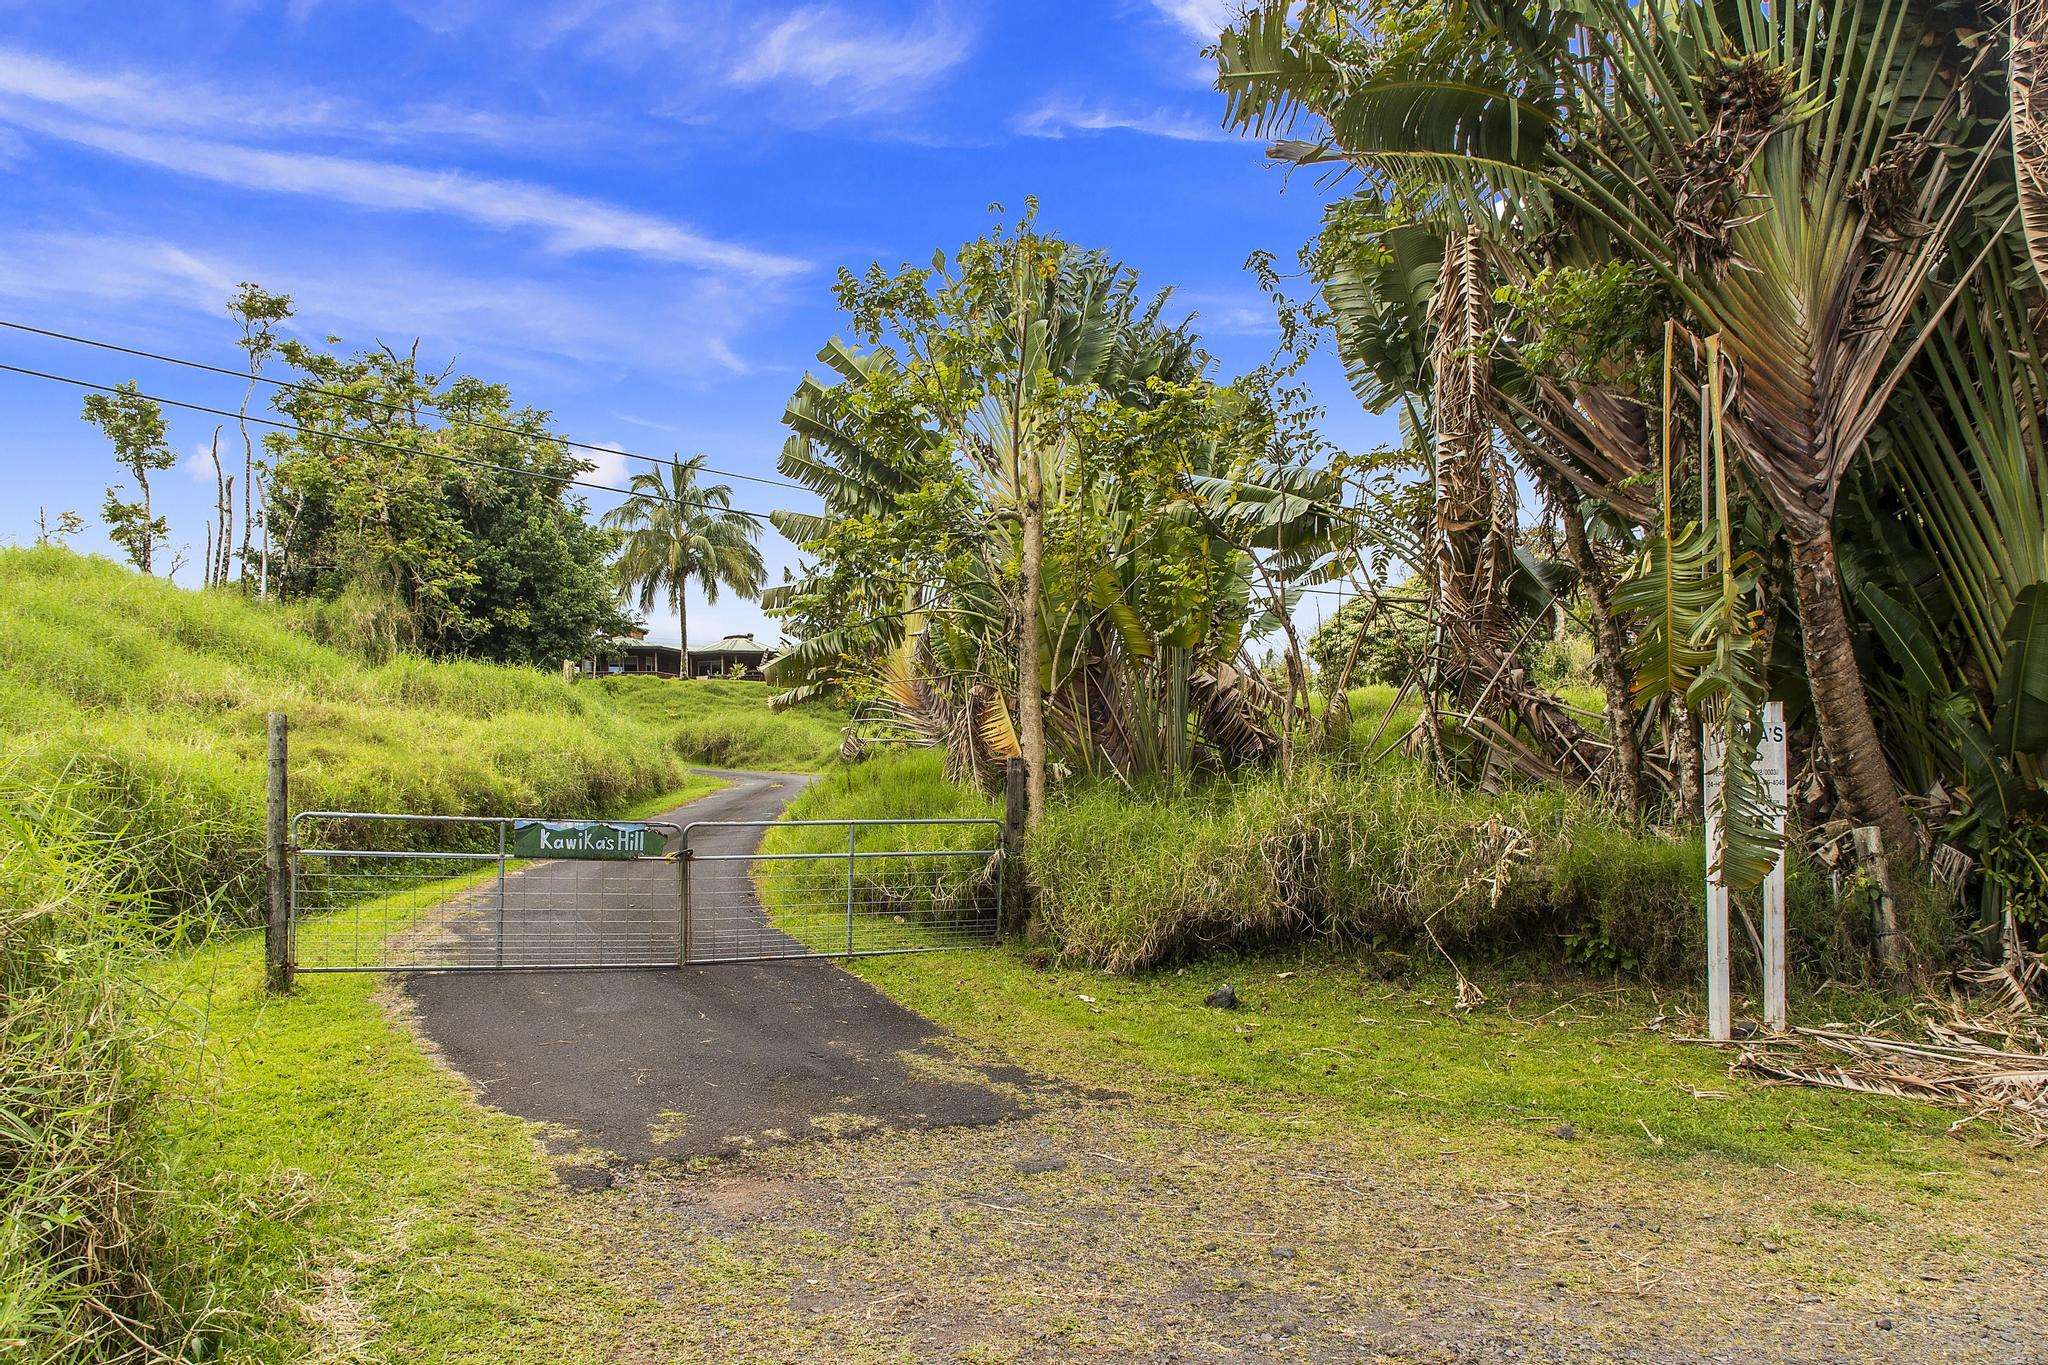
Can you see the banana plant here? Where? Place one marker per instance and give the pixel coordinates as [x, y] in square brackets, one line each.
[958, 412]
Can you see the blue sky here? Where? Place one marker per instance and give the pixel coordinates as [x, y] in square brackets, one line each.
[628, 212]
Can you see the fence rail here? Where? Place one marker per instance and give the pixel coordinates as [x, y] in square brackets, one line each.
[383, 891]
[769, 890]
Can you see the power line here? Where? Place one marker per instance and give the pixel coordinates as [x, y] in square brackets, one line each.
[411, 450]
[371, 444]
[387, 404]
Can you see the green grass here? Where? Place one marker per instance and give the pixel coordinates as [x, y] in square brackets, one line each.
[1366, 857]
[373, 1202]
[361, 1187]
[900, 902]
[130, 812]
[1325, 1044]
[149, 701]
[728, 724]
[97, 1248]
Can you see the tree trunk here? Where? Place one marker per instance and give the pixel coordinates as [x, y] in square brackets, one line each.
[248, 465]
[1685, 741]
[1610, 650]
[2029, 93]
[1848, 734]
[1030, 694]
[683, 623]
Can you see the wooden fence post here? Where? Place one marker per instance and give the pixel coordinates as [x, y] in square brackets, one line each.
[277, 953]
[1015, 796]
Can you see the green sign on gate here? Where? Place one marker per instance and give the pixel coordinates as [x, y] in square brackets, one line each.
[582, 839]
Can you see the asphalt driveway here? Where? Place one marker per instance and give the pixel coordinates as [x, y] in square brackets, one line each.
[634, 1065]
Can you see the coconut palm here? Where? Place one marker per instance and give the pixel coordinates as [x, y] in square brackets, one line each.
[675, 530]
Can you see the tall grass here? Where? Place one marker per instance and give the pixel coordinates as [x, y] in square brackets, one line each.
[728, 724]
[900, 901]
[1382, 857]
[148, 703]
[103, 1256]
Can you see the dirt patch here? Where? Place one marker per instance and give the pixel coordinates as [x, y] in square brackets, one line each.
[1126, 1232]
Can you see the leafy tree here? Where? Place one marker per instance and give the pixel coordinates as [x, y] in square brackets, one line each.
[673, 530]
[1395, 627]
[1040, 518]
[471, 529]
[258, 312]
[60, 531]
[135, 425]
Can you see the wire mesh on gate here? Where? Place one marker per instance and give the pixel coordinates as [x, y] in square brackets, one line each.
[840, 888]
[381, 892]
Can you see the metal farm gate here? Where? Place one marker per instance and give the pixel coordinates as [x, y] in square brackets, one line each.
[379, 892]
[838, 888]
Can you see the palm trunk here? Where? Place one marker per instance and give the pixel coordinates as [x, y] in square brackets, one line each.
[1610, 650]
[1030, 696]
[1848, 733]
[1685, 738]
[683, 623]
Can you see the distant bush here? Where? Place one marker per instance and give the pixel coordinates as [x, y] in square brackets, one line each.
[1127, 883]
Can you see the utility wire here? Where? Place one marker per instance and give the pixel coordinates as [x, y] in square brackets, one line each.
[385, 403]
[407, 450]
[371, 444]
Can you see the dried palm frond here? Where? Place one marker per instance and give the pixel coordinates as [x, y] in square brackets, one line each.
[1742, 100]
[1995, 1066]
[1231, 711]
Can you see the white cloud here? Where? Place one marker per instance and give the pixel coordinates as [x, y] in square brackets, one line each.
[819, 61]
[1058, 118]
[861, 65]
[199, 463]
[1229, 312]
[608, 463]
[144, 99]
[1203, 18]
[565, 222]
[692, 325]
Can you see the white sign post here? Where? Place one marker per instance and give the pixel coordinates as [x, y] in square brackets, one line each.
[1770, 766]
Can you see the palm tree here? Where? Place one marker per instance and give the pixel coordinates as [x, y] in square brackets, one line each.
[1796, 176]
[676, 530]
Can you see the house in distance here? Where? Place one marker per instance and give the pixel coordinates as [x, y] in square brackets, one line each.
[736, 656]
[634, 655]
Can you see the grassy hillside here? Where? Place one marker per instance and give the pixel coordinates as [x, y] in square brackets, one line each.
[728, 724]
[131, 792]
[143, 706]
